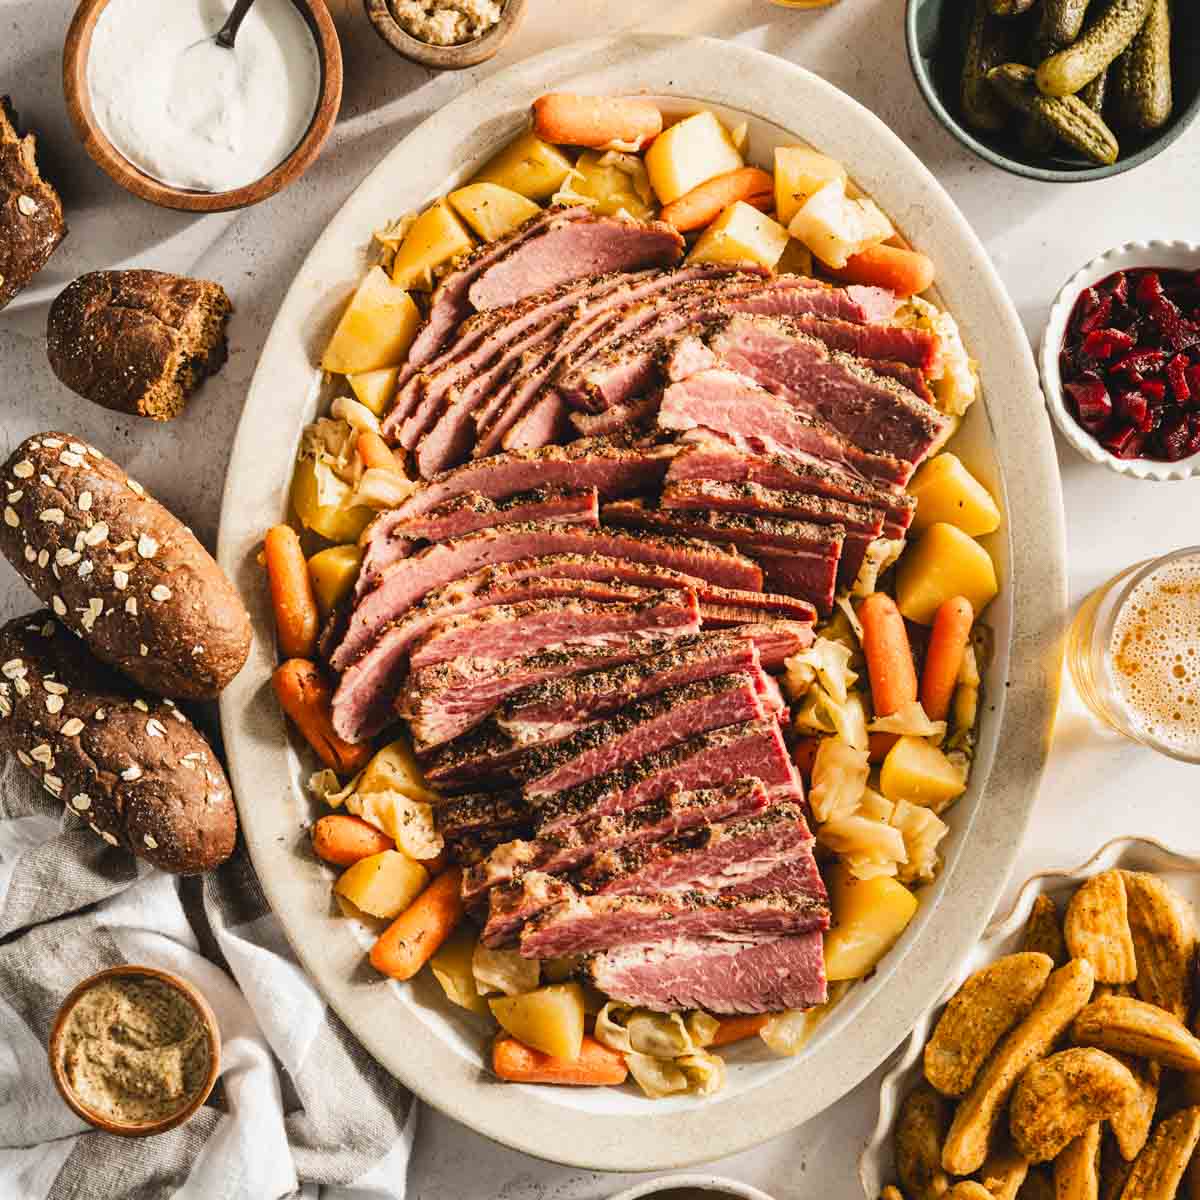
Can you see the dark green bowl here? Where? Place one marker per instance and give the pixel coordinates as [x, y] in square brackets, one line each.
[933, 32]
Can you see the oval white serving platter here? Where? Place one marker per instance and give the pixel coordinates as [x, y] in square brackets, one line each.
[408, 1028]
[1182, 871]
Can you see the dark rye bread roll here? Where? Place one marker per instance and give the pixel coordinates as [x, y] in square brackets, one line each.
[138, 342]
[135, 769]
[31, 214]
[117, 568]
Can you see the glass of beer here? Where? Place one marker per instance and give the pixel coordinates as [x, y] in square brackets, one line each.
[1134, 653]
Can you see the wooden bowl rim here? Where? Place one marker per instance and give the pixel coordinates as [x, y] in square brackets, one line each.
[114, 164]
[212, 1033]
[444, 58]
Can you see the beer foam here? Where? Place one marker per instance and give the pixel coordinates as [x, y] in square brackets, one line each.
[1156, 656]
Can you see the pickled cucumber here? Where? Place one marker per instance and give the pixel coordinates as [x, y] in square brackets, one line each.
[988, 44]
[1070, 119]
[1142, 85]
[1068, 70]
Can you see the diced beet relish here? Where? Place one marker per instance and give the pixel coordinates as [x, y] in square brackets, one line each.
[1130, 363]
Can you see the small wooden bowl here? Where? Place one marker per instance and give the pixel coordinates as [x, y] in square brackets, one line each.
[445, 58]
[119, 168]
[212, 1034]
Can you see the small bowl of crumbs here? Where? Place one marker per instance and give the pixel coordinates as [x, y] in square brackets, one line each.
[135, 1051]
[446, 35]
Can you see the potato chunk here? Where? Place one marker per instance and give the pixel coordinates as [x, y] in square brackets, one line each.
[492, 211]
[333, 572]
[741, 234]
[688, 153]
[549, 1019]
[452, 968]
[800, 172]
[436, 237]
[384, 884]
[375, 389]
[944, 563]
[341, 522]
[377, 328]
[868, 916]
[835, 228]
[917, 771]
[528, 166]
[946, 491]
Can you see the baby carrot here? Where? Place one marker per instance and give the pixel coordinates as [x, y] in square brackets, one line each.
[889, 656]
[305, 696]
[413, 938]
[905, 272]
[596, 1066]
[943, 660]
[375, 452]
[342, 839]
[705, 202]
[296, 617]
[737, 1029]
[599, 122]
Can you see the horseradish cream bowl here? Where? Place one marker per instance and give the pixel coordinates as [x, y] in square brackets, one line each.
[202, 132]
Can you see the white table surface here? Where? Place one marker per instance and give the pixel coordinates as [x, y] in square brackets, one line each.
[1097, 787]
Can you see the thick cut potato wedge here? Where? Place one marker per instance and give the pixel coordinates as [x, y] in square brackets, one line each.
[395, 769]
[835, 228]
[528, 166]
[688, 153]
[1097, 928]
[945, 562]
[1043, 931]
[599, 178]
[384, 884]
[980, 1013]
[741, 234]
[377, 328]
[333, 572]
[917, 771]
[1124, 1025]
[799, 174]
[436, 237]
[491, 210]
[946, 491]
[549, 1019]
[341, 522]
[1077, 1168]
[1164, 940]
[375, 389]
[920, 1130]
[1158, 1171]
[868, 917]
[452, 968]
[1005, 1172]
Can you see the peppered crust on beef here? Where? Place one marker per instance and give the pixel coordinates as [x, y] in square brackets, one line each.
[119, 570]
[135, 769]
[138, 342]
[31, 214]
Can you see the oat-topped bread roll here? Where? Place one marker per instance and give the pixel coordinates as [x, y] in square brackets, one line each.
[117, 568]
[31, 214]
[134, 768]
[138, 342]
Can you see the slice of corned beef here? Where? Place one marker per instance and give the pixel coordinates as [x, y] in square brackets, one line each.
[511, 905]
[636, 414]
[587, 924]
[874, 411]
[478, 811]
[639, 729]
[663, 818]
[733, 406]
[711, 759]
[711, 459]
[614, 469]
[510, 630]
[470, 511]
[710, 858]
[890, 343]
[771, 975]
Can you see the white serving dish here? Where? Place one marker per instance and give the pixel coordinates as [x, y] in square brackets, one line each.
[877, 1165]
[1179, 255]
[410, 1029]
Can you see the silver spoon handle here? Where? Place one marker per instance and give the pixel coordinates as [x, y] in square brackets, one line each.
[229, 31]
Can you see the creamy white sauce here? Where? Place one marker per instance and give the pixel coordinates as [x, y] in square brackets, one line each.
[200, 116]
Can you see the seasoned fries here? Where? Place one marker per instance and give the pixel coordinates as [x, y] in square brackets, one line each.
[1004, 1172]
[1159, 1168]
[1077, 1168]
[920, 1131]
[1130, 1026]
[1164, 941]
[1043, 931]
[986, 1007]
[1131, 1125]
[1097, 928]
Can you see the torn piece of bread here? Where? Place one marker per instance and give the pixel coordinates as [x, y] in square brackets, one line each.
[31, 214]
[138, 342]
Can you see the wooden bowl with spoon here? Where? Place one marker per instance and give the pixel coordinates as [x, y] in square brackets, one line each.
[77, 91]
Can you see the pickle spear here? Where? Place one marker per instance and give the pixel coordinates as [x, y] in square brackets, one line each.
[1070, 119]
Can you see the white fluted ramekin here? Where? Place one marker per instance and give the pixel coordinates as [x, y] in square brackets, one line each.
[876, 1166]
[1183, 256]
[720, 1188]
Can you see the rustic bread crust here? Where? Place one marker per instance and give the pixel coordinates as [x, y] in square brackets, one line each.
[136, 770]
[119, 570]
[31, 213]
[138, 342]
